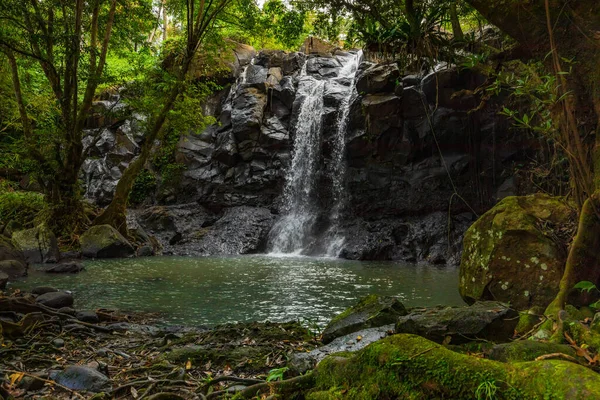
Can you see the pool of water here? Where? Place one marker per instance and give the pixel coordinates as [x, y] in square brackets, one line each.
[213, 290]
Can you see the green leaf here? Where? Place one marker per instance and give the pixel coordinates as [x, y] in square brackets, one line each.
[585, 285]
[595, 305]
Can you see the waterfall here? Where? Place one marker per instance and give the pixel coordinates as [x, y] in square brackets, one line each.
[334, 238]
[294, 232]
[290, 233]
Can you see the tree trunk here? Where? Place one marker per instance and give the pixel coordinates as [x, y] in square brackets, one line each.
[456, 29]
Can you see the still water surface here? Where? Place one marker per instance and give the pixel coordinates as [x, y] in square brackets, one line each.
[214, 290]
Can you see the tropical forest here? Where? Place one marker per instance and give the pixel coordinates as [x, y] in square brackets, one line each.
[299, 199]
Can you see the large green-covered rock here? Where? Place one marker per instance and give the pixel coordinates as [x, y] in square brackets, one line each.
[12, 261]
[38, 244]
[371, 311]
[411, 367]
[104, 241]
[513, 253]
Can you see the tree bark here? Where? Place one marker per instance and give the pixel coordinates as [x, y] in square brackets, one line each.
[456, 28]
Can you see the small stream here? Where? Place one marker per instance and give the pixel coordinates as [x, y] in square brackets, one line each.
[214, 290]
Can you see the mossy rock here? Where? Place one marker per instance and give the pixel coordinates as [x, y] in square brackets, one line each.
[513, 253]
[39, 245]
[528, 350]
[411, 367]
[488, 320]
[104, 241]
[12, 260]
[370, 312]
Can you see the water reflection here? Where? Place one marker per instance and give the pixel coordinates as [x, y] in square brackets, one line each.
[213, 290]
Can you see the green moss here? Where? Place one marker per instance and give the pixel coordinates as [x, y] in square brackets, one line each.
[364, 302]
[510, 253]
[409, 366]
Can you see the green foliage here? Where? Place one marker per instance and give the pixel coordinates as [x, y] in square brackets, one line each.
[587, 286]
[276, 374]
[143, 187]
[20, 206]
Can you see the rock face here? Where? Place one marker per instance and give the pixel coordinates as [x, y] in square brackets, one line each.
[514, 252]
[38, 244]
[191, 229]
[104, 241]
[371, 311]
[413, 151]
[483, 320]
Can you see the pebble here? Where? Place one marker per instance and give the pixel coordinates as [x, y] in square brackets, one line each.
[58, 343]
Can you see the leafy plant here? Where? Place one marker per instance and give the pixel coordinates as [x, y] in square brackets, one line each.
[587, 286]
[276, 374]
[486, 390]
[20, 206]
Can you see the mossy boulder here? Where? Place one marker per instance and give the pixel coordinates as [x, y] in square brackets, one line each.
[516, 252]
[104, 241]
[39, 245]
[487, 320]
[370, 312]
[12, 260]
[411, 367]
[528, 350]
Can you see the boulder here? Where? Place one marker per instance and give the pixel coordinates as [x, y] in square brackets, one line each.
[13, 268]
[3, 280]
[513, 252]
[323, 67]
[371, 311]
[241, 230]
[71, 267]
[55, 299]
[43, 290]
[379, 78]
[87, 316]
[527, 350]
[77, 377]
[38, 244]
[409, 366]
[104, 241]
[454, 325]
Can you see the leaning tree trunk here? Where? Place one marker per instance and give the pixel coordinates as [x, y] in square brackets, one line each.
[567, 29]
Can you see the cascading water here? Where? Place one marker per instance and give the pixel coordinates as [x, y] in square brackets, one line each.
[293, 233]
[333, 237]
[290, 232]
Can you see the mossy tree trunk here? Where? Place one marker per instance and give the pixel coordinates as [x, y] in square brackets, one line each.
[566, 29]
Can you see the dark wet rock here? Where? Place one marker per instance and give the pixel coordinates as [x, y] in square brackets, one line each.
[3, 280]
[43, 290]
[104, 241]
[372, 311]
[411, 80]
[77, 377]
[414, 102]
[511, 253]
[492, 321]
[379, 78]
[323, 67]
[55, 299]
[58, 343]
[449, 88]
[71, 267]
[87, 316]
[303, 362]
[38, 244]
[241, 230]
